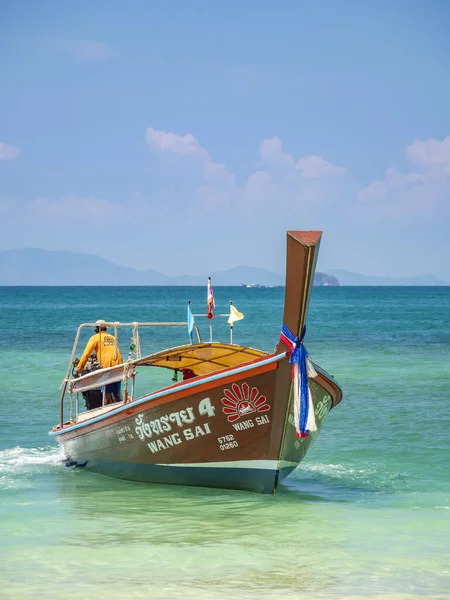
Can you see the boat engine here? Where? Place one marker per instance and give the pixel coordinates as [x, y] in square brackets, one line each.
[93, 398]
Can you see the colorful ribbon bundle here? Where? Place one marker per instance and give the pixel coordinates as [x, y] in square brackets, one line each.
[305, 421]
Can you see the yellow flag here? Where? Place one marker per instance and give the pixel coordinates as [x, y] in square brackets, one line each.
[235, 315]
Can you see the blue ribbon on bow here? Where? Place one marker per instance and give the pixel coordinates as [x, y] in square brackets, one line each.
[298, 355]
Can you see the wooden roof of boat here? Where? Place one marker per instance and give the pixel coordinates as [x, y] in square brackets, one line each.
[202, 358]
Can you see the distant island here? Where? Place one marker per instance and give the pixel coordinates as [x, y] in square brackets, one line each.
[34, 267]
[323, 279]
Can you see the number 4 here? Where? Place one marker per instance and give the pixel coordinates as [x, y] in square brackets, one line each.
[206, 408]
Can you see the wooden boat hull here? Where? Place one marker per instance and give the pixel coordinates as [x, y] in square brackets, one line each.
[232, 425]
[231, 430]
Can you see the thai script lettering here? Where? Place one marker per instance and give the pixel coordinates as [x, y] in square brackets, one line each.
[163, 424]
[124, 433]
[159, 433]
[322, 407]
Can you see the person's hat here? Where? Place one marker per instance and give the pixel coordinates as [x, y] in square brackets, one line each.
[100, 325]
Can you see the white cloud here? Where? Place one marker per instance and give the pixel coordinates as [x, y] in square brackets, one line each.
[311, 167]
[430, 153]
[216, 172]
[171, 142]
[393, 180]
[271, 153]
[8, 152]
[317, 167]
[422, 191]
[194, 195]
[280, 183]
[86, 50]
[259, 182]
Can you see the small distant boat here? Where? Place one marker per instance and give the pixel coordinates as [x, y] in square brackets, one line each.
[241, 418]
[256, 285]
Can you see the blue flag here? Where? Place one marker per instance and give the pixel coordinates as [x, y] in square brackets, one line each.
[190, 321]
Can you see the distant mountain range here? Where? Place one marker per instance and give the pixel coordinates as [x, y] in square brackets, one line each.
[31, 266]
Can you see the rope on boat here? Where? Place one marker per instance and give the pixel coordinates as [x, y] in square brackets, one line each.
[302, 368]
[135, 346]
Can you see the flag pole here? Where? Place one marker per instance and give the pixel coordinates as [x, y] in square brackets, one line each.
[211, 306]
[190, 333]
[231, 327]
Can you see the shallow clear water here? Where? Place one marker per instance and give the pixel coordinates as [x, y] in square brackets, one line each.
[367, 515]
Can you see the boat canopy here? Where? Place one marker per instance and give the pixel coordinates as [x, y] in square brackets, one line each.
[201, 358]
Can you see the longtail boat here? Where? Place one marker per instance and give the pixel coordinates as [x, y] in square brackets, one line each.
[242, 419]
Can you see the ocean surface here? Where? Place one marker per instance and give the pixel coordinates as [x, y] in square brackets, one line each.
[365, 516]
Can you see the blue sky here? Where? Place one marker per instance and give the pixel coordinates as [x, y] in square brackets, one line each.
[188, 136]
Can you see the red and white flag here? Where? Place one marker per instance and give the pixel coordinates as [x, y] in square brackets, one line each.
[210, 300]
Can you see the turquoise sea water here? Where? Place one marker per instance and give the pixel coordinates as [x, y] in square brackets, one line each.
[366, 516]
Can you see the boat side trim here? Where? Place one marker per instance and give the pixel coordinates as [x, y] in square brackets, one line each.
[326, 374]
[171, 390]
[272, 465]
[330, 383]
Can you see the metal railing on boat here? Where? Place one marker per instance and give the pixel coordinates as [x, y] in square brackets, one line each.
[116, 325]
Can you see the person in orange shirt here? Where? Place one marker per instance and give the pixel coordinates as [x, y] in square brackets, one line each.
[108, 355]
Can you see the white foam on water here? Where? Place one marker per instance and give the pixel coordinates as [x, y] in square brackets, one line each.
[17, 463]
[335, 479]
[337, 470]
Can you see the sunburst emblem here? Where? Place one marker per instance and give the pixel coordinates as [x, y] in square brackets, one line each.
[240, 402]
